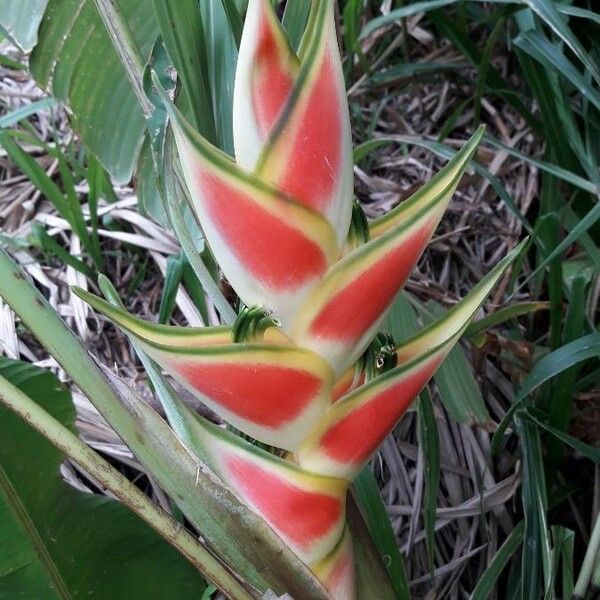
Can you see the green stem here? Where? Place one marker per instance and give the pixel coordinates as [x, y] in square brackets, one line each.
[587, 568]
[172, 531]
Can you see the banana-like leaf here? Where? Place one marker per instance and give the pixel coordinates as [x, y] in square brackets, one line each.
[20, 21]
[340, 317]
[265, 74]
[337, 572]
[305, 509]
[309, 152]
[93, 83]
[46, 552]
[272, 392]
[353, 428]
[272, 249]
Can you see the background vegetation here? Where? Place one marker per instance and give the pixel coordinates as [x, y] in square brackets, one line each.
[491, 483]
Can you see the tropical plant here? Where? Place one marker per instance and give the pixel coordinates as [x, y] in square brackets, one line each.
[305, 381]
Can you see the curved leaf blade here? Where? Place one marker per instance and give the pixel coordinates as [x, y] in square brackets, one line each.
[45, 551]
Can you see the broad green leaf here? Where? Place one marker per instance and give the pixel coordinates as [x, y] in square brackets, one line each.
[58, 542]
[20, 21]
[92, 82]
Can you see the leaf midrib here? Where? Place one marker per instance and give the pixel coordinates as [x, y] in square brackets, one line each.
[20, 512]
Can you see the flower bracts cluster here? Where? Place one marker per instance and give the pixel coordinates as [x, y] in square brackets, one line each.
[278, 220]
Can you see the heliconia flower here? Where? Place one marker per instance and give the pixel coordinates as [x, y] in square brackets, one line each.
[278, 220]
[273, 249]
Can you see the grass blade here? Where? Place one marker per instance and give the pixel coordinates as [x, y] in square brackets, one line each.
[577, 445]
[549, 55]
[366, 492]
[501, 316]
[486, 583]
[536, 557]
[14, 116]
[429, 440]
[547, 12]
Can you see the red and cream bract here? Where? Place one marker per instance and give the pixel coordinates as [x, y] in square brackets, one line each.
[277, 219]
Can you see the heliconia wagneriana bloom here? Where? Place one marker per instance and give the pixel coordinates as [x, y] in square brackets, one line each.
[278, 220]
